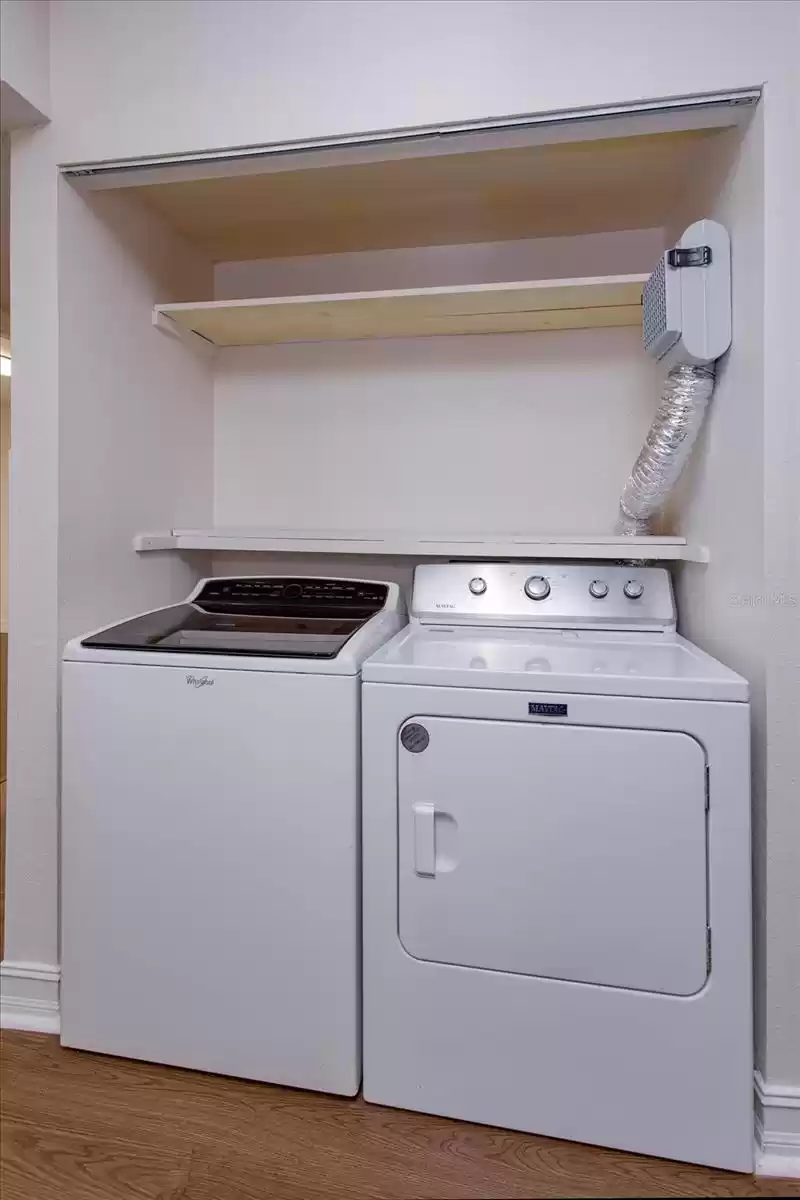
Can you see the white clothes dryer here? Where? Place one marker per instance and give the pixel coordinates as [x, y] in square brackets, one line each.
[556, 842]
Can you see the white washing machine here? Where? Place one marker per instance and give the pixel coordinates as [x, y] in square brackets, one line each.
[556, 842]
[210, 850]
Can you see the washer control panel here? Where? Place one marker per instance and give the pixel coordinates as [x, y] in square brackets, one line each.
[273, 595]
[549, 595]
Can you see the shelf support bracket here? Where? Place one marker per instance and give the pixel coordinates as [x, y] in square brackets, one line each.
[196, 341]
[154, 541]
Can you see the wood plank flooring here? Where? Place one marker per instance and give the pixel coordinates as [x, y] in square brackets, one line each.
[80, 1126]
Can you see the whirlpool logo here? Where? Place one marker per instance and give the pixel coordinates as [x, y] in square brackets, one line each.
[199, 681]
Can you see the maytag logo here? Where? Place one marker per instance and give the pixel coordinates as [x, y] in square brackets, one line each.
[537, 709]
[199, 681]
[442, 604]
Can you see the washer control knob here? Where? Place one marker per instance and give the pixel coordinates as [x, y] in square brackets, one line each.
[477, 586]
[537, 588]
[598, 588]
[633, 589]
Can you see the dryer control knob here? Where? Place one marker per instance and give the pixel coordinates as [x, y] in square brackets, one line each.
[537, 588]
[477, 586]
[598, 588]
[633, 589]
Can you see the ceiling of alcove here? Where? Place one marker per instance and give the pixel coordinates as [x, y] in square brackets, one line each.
[488, 195]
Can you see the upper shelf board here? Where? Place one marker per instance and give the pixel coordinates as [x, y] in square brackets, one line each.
[290, 205]
[414, 545]
[415, 312]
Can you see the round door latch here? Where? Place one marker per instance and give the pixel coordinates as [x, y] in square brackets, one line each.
[415, 738]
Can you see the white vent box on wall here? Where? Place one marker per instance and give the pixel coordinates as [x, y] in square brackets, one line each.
[687, 299]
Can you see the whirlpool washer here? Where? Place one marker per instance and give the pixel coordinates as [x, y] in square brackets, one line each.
[556, 844]
[210, 830]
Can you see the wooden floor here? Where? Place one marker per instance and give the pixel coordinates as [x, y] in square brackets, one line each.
[78, 1126]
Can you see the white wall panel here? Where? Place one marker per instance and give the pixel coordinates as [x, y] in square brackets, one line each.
[135, 406]
[782, 580]
[721, 497]
[209, 73]
[627, 253]
[25, 62]
[31, 911]
[517, 433]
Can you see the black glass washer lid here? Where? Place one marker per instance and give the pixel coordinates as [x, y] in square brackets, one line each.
[266, 615]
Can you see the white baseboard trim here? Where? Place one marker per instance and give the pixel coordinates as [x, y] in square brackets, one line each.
[777, 1129]
[29, 996]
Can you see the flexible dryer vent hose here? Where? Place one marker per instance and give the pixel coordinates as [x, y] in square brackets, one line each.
[667, 447]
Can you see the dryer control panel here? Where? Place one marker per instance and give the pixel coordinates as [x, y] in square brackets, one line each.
[544, 595]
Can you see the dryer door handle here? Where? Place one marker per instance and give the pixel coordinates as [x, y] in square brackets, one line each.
[424, 839]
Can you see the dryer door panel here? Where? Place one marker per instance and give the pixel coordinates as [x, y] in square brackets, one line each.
[573, 852]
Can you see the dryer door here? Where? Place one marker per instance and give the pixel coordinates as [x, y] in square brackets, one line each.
[574, 852]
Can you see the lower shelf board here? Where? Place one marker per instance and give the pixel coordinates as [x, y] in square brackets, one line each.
[414, 545]
[542, 304]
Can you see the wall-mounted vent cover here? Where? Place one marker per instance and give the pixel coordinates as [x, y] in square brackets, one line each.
[687, 300]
